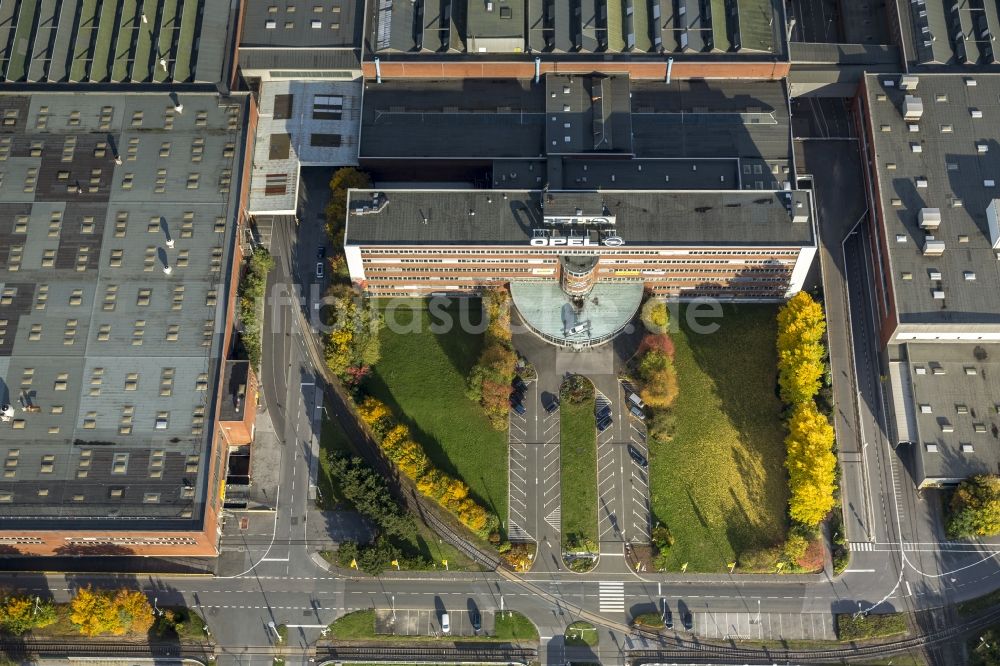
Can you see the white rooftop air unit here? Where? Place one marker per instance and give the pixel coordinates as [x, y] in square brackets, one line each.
[913, 108]
[908, 82]
[993, 220]
[930, 218]
[938, 295]
[933, 247]
[6, 414]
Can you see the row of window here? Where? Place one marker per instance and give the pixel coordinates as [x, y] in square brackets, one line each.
[105, 117]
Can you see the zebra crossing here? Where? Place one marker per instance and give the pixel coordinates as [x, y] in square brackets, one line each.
[554, 519]
[860, 545]
[611, 596]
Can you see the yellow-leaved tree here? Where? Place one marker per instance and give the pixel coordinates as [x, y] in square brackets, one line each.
[801, 325]
[811, 464]
[94, 613]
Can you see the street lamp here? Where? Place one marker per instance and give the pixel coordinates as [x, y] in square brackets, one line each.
[394, 608]
[156, 609]
[277, 636]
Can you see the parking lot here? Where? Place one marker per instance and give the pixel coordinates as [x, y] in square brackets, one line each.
[533, 481]
[427, 622]
[622, 483]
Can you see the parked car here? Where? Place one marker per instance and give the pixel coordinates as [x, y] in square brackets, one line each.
[552, 405]
[476, 621]
[445, 624]
[519, 384]
[636, 400]
[636, 412]
[604, 424]
[668, 618]
[603, 412]
[518, 407]
[637, 456]
[687, 620]
[321, 252]
[319, 270]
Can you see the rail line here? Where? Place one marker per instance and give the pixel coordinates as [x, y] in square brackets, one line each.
[465, 653]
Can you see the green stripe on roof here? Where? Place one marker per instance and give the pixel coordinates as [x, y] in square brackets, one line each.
[102, 47]
[165, 38]
[616, 39]
[719, 33]
[640, 21]
[124, 44]
[17, 68]
[189, 20]
[81, 48]
[756, 32]
[143, 44]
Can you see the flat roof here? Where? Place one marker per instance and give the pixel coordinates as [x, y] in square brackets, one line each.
[940, 166]
[573, 173]
[114, 42]
[643, 218]
[288, 24]
[111, 363]
[507, 118]
[955, 398]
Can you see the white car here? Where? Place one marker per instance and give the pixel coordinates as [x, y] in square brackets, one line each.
[445, 624]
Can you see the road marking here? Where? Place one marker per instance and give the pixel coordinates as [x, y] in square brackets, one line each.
[859, 571]
[611, 596]
[860, 545]
[274, 559]
[554, 519]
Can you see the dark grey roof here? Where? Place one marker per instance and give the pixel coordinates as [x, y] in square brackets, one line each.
[298, 59]
[510, 118]
[955, 390]
[573, 173]
[587, 114]
[942, 32]
[102, 353]
[643, 217]
[954, 170]
[116, 41]
[302, 25]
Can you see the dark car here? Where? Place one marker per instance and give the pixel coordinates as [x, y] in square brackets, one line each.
[604, 424]
[636, 412]
[519, 384]
[518, 407]
[637, 456]
[476, 621]
[668, 618]
[603, 412]
[552, 405]
[687, 620]
[321, 252]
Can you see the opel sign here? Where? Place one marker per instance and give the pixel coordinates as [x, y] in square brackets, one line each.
[610, 241]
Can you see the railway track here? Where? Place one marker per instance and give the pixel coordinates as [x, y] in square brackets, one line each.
[94, 647]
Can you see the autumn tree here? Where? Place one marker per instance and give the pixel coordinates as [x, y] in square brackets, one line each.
[975, 507]
[801, 326]
[336, 209]
[134, 612]
[489, 381]
[657, 379]
[20, 614]
[352, 343]
[811, 464]
[655, 316]
[379, 418]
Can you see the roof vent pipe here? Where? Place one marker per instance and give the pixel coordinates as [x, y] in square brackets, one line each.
[538, 69]
[378, 71]
[670, 67]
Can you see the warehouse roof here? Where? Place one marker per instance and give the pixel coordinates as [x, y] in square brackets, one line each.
[114, 42]
[956, 401]
[296, 25]
[949, 162]
[116, 232]
[454, 217]
[514, 118]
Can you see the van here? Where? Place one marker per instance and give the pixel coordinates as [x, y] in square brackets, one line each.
[636, 400]
[445, 624]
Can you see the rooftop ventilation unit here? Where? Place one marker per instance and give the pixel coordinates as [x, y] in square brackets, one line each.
[913, 108]
[938, 295]
[930, 218]
[908, 82]
[933, 247]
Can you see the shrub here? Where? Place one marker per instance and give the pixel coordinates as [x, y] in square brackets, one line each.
[662, 425]
[353, 343]
[18, 614]
[975, 507]
[655, 315]
[576, 389]
[662, 538]
[795, 547]
[761, 559]
[853, 628]
[651, 620]
[658, 379]
[336, 209]
[663, 343]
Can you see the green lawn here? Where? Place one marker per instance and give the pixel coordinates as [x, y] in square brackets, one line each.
[422, 377]
[851, 628]
[512, 626]
[582, 634]
[359, 624]
[720, 483]
[578, 478]
[332, 440]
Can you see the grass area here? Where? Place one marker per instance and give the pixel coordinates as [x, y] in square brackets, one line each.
[979, 604]
[851, 628]
[582, 634]
[649, 620]
[428, 546]
[422, 377]
[719, 484]
[578, 480]
[332, 440]
[359, 624]
[512, 626]
[984, 647]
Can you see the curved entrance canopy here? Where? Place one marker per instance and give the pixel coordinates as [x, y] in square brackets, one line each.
[562, 320]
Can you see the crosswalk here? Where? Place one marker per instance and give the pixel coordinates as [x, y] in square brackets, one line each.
[611, 596]
[554, 519]
[860, 545]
